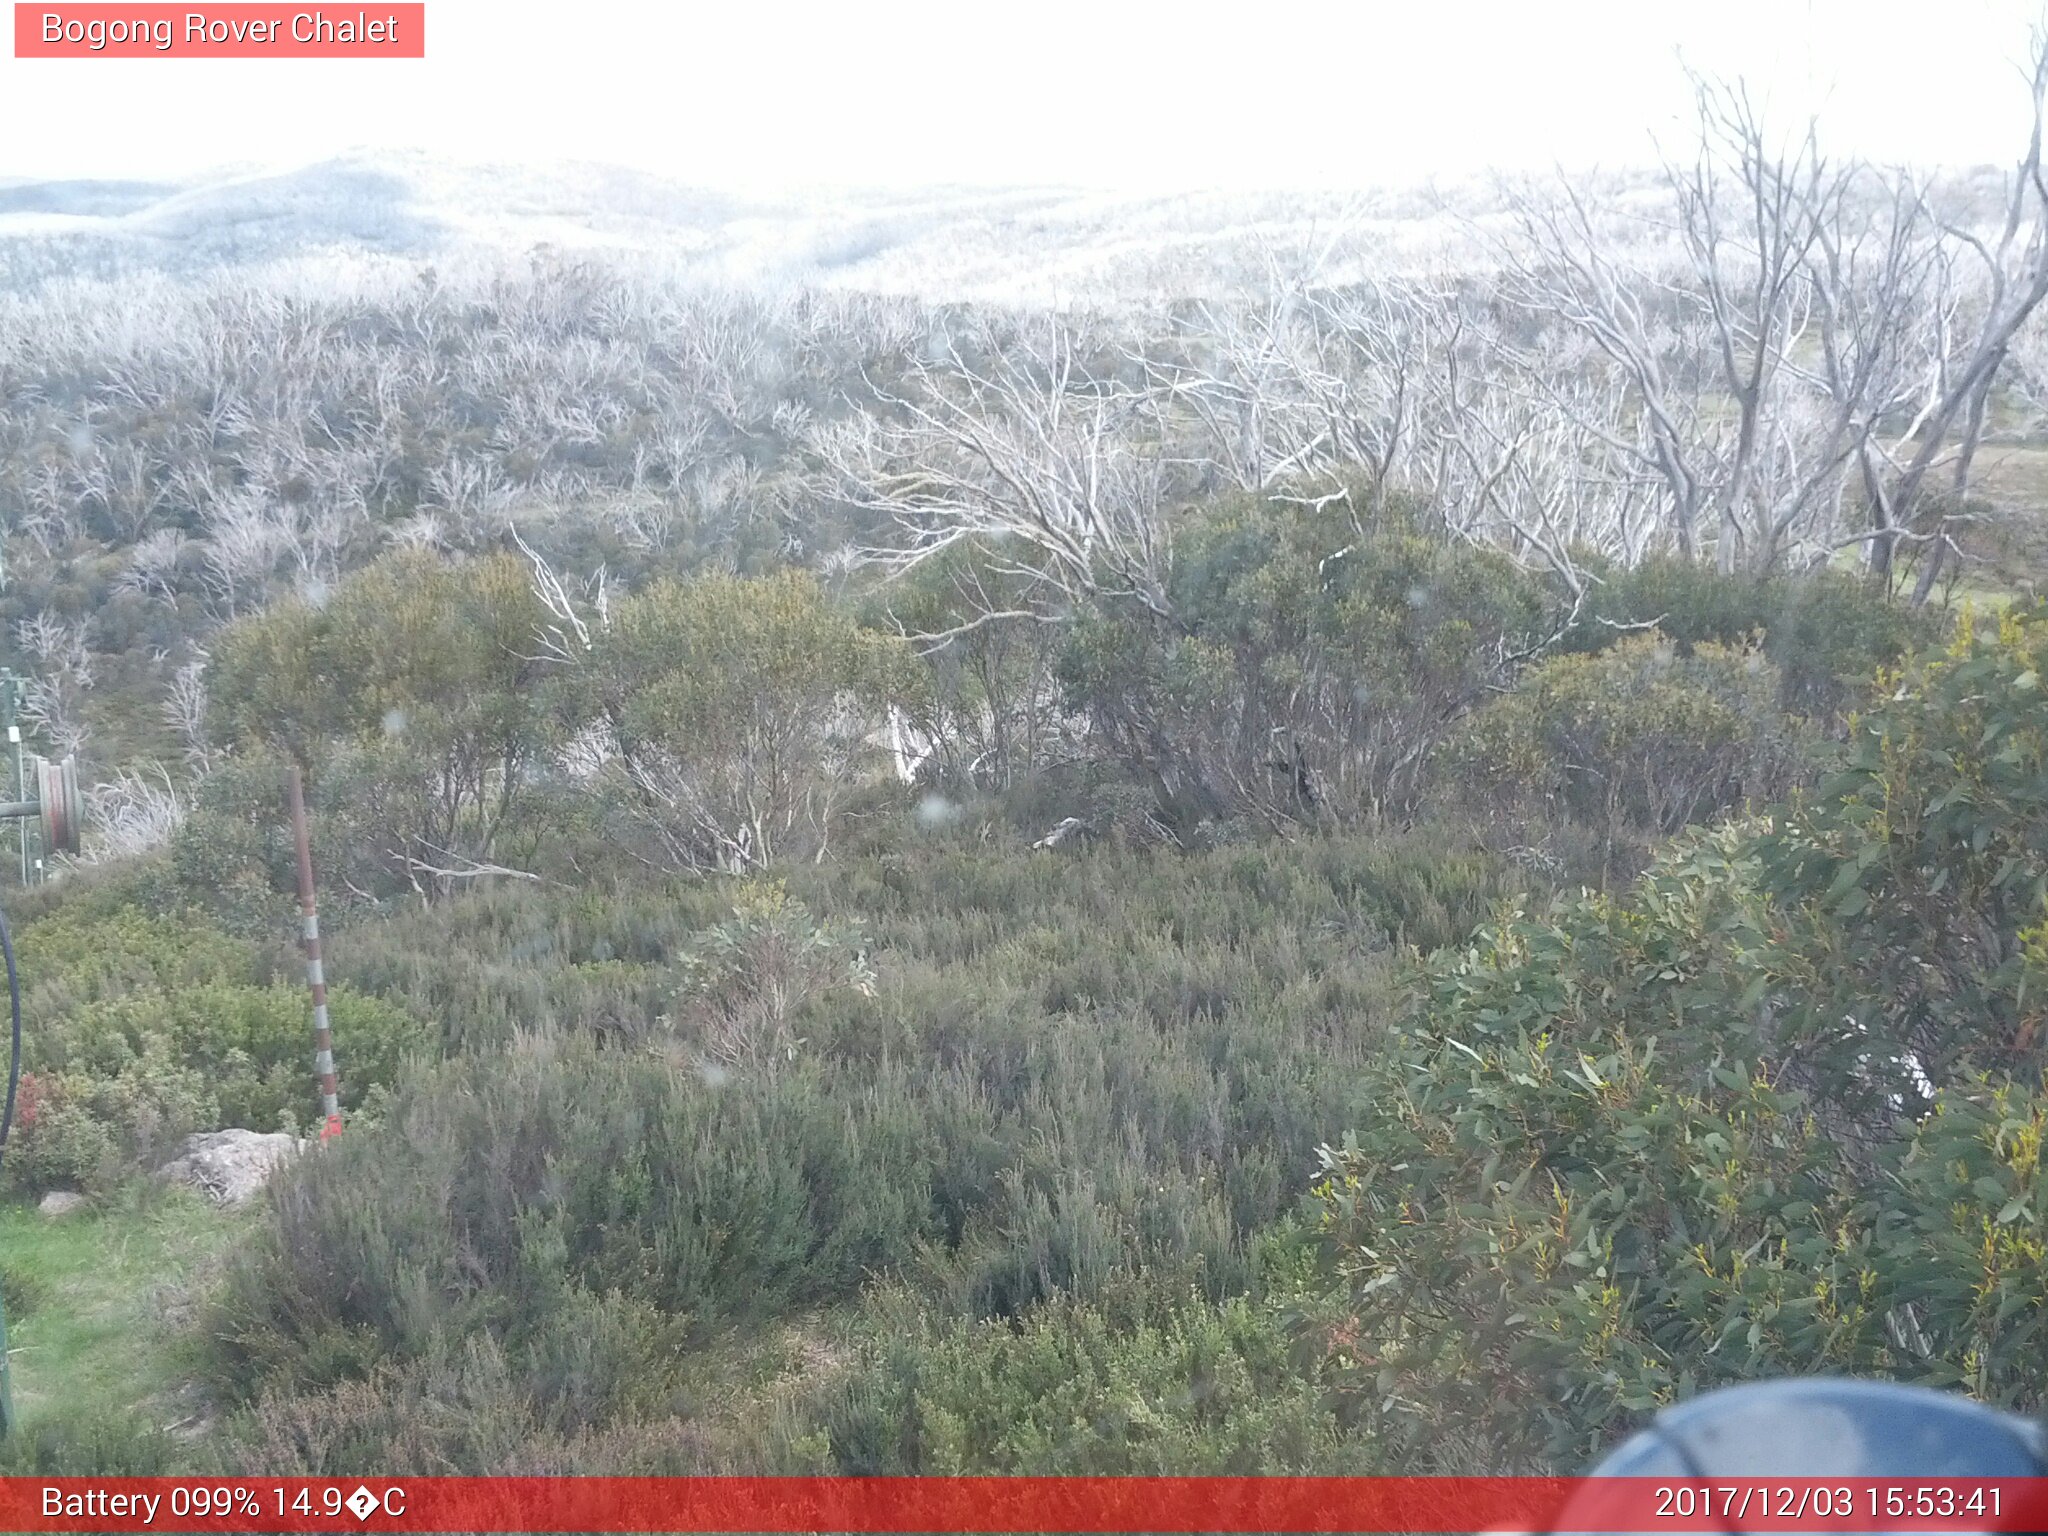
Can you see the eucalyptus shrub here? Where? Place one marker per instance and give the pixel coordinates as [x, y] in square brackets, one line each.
[741, 713]
[414, 693]
[1914, 883]
[1311, 664]
[1634, 744]
[1777, 1109]
[1827, 633]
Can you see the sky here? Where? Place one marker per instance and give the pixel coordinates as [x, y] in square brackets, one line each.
[1120, 94]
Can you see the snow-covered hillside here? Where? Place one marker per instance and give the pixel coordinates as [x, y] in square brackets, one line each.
[1031, 244]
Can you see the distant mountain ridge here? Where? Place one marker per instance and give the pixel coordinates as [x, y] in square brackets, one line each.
[947, 243]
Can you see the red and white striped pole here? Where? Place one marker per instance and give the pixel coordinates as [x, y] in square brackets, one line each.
[316, 978]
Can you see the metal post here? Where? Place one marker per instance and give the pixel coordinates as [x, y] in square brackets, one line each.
[323, 1035]
[10, 717]
[6, 1381]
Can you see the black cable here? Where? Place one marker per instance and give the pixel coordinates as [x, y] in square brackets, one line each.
[14, 1004]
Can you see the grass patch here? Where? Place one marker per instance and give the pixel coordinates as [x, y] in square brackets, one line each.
[112, 1291]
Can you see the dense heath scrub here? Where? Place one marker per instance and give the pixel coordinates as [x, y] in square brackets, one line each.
[1375, 1052]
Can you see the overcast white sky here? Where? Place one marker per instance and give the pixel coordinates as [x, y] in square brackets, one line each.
[1119, 93]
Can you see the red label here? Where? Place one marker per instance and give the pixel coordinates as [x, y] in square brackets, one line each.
[875, 1505]
[230, 31]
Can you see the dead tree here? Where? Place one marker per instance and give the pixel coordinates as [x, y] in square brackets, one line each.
[1025, 448]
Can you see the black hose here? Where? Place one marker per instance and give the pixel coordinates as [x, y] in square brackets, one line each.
[14, 1004]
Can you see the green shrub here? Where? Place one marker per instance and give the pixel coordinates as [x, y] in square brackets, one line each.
[22, 1292]
[1558, 1231]
[1634, 743]
[1071, 1070]
[1912, 887]
[744, 980]
[481, 1404]
[987, 694]
[416, 697]
[90, 1130]
[88, 1444]
[508, 958]
[742, 711]
[502, 1179]
[141, 1030]
[1778, 1109]
[1310, 664]
[1139, 1385]
[1827, 633]
[1557, 1243]
[232, 857]
[81, 954]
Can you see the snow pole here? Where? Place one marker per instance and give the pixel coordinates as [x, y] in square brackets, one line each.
[316, 978]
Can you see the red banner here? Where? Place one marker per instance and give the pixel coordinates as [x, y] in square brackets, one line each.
[223, 31]
[1021, 1504]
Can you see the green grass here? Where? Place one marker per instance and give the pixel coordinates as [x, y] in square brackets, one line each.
[100, 1304]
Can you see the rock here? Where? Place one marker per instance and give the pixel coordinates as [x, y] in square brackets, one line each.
[61, 1202]
[229, 1167]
